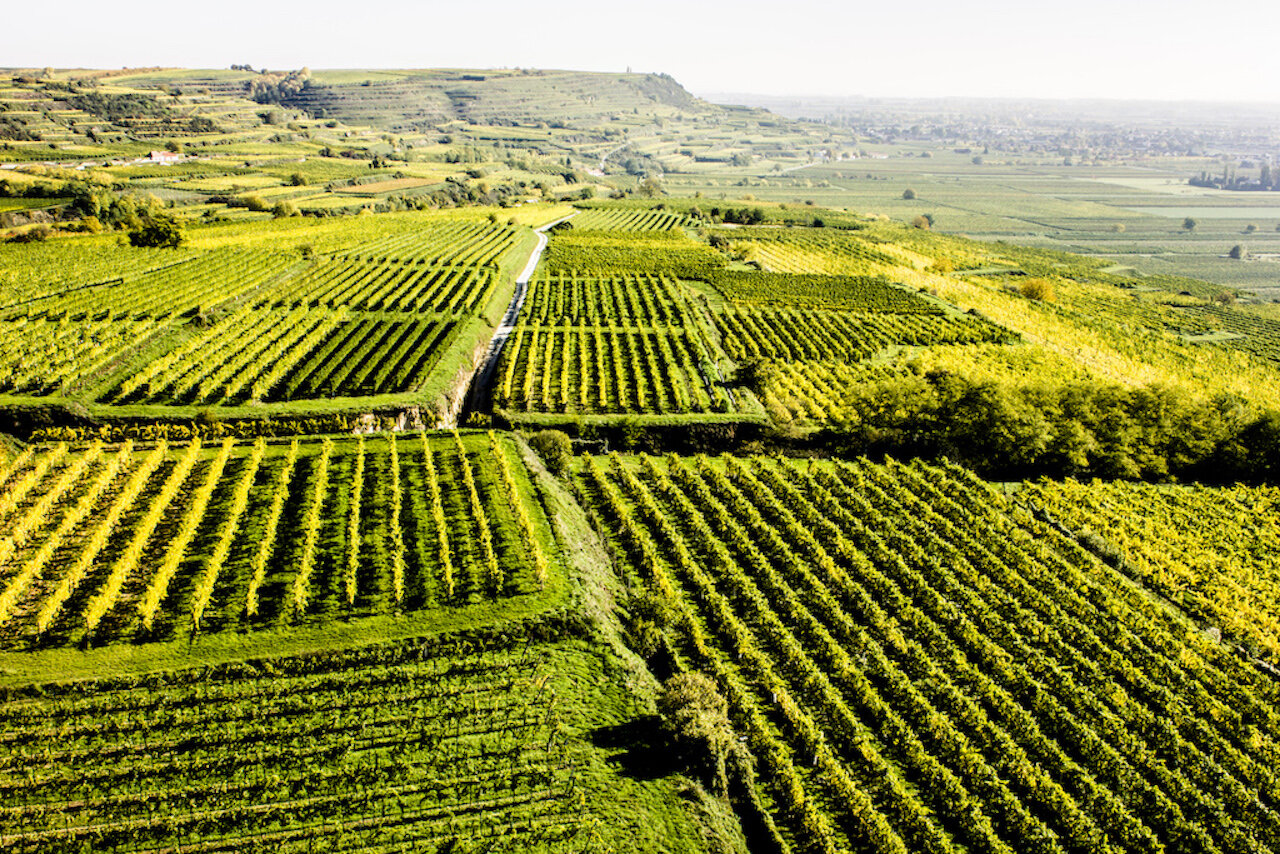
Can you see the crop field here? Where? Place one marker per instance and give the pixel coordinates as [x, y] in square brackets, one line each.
[108, 543]
[799, 335]
[350, 753]
[656, 253]
[466, 745]
[1208, 550]
[387, 311]
[635, 300]
[628, 220]
[855, 293]
[919, 668]
[602, 369]
[259, 593]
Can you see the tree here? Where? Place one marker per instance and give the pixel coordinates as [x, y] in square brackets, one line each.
[908, 194]
[1238, 253]
[920, 222]
[158, 231]
[1040, 290]
[757, 374]
[696, 719]
[1250, 228]
[555, 448]
[1189, 224]
[651, 187]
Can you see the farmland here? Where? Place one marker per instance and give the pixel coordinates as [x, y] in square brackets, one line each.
[355, 521]
[918, 669]
[390, 313]
[159, 542]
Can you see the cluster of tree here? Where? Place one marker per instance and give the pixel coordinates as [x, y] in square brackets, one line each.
[15, 129]
[279, 87]
[121, 107]
[1078, 429]
[1268, 180]
[741, 216]
[156, 231]
[34, 190]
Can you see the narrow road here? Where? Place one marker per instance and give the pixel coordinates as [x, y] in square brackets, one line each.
[478, 393]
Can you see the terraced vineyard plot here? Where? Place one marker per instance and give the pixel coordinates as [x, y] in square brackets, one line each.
[604, 369]
[919, 668]
[385, 286]
[122, 542]
[627, 220]
[369, 355]
[854, 293]
[50, 356]
[457, 244]
[185, 286]
[33, 271]
[1212, 551]
[393, 748]
[1248, 332]
[619, 300]
[812, 251]
[305, 353]
[798, 335]
[614, 253]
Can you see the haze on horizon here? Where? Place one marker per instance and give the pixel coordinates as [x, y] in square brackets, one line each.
[1128, 49]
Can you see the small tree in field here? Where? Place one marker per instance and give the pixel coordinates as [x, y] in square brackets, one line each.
[696, 719]
[157, 231]
[555, 449]
[1189, 224]
[908, 194]
[1040, 290]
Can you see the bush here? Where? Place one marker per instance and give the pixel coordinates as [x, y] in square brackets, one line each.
[908, 194]
[157, 231]
[39, 234]
[555, 449]
[696, 720]
[1040, 290]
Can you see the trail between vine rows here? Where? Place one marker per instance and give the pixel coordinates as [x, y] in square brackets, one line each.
[478, 393]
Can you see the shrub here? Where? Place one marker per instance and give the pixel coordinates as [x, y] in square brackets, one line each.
[696, 719]
[157, 231]
[1040, 290]
[555, 449]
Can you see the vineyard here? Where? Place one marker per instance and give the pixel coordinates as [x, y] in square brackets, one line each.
[628, 220]
[621, 300]
[390, 311]
[806, 336]
[918, 667]
[855, 293]
[603, 369]
[955, 583]
[1210, 551]
[112, 543]
[466, 746]
[668, 254]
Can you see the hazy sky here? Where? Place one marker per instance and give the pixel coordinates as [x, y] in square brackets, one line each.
[1165, 49]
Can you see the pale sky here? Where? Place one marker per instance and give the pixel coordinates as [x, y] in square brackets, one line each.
[1160, 49]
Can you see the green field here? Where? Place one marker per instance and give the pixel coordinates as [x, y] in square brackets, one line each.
[766, 511]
